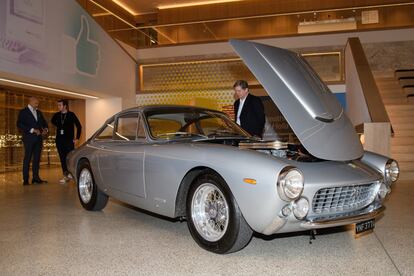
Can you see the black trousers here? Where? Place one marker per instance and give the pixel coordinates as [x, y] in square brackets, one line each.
[64, 146]
[32, 149]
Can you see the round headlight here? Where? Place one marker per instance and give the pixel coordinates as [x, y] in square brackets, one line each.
[392, 171]
[301, 208]
[290, 184]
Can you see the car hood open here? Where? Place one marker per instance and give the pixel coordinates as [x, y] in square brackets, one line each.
[312, 111]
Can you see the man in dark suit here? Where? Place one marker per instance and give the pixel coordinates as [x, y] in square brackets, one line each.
[33, 126]
[248, 110]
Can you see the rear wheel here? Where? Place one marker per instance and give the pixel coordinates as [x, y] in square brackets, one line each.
[90, 196]
[214, 218]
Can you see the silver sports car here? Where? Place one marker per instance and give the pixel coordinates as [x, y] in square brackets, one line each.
[196, 164]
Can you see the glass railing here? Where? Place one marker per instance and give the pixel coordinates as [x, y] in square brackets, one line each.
[251, 27]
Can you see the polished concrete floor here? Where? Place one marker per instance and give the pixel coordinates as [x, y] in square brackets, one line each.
[44, 231]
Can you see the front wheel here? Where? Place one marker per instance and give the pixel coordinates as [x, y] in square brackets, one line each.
[90, 196]
[214, 218]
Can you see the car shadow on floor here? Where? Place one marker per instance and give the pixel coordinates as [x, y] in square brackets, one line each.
[158, 216]
[312, 234]
[318, 232]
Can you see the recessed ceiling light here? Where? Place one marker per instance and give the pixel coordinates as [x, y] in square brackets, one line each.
[100, 14]
[60, 91]
[198, 3]
[125, 7]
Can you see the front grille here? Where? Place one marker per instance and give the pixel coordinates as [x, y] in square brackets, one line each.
[344, 199]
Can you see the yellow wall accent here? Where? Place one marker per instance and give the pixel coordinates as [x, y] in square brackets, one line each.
[214, 99]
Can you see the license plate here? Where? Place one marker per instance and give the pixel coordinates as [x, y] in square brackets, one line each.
[364, 226]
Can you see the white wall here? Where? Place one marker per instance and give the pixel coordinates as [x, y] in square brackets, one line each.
[98, 111]
[130, 50]
[61, 46]
[64, 47]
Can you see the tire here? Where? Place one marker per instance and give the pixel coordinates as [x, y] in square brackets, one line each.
[90, 196]
[213, 216]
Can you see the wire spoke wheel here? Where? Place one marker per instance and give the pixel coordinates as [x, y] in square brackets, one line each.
[85, 185]
[210, 212]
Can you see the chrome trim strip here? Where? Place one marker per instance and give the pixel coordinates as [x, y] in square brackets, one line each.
[264, 145]
[342, 221]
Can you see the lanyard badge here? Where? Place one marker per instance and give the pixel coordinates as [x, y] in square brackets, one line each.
[62, 121]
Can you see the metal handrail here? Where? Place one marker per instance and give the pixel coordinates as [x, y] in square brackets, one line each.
[355, 59]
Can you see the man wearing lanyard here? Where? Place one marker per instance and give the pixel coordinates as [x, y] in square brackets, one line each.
[65, 121]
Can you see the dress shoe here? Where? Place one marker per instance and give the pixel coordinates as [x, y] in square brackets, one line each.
[64, 180]
[39, 181]
[25, 183]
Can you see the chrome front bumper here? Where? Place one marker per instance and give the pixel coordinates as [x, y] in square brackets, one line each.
[316, 223]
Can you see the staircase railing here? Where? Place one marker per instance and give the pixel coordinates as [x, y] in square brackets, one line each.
[364, 103]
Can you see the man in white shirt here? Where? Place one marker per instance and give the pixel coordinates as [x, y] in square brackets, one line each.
[33, 127]
[248, 109]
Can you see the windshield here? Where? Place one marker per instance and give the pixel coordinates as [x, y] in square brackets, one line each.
[200, 124]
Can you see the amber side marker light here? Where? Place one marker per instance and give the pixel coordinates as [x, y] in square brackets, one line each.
[250, 181]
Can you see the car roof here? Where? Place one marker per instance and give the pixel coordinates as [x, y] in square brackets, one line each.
[146, 108]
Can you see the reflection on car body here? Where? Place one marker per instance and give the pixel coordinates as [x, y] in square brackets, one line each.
[195, 163]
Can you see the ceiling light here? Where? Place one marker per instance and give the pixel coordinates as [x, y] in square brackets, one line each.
[100, 14]
[125, 7]
[120, 18]
[30, 85]
[199, 3]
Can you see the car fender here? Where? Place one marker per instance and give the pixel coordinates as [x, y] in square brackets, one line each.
[167, 165]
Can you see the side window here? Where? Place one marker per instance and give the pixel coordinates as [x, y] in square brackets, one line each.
[126, 128]
[106, 133]
[211, 125]
[162, 126]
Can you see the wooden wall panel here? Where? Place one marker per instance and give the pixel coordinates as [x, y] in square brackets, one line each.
[193, 32]
[220, 29]
[171, 32]
[396, 16]
[109, 5]
[257, 7]
[390, 17]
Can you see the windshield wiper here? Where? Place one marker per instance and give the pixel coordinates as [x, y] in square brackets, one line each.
[226, 132]
[181, 133]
